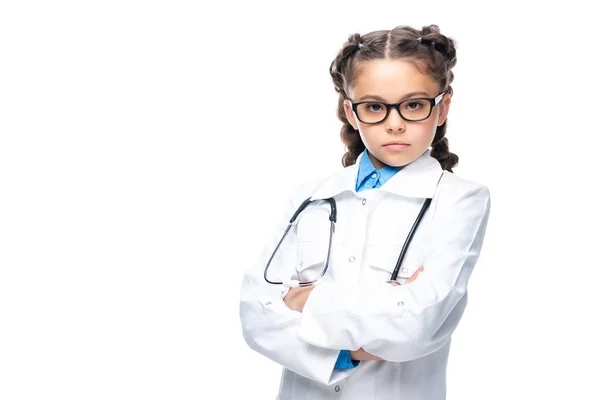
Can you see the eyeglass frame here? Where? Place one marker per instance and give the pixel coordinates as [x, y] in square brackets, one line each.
[433, 101]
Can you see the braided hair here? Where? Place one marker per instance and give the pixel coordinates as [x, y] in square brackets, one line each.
[431, 53]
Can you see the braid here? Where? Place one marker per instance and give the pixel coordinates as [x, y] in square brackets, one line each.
[339, 66]
[340, 71]
[444, 49]
[440, 43]
[440, 150]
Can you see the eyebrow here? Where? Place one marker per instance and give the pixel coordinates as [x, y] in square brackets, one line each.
[406, 96]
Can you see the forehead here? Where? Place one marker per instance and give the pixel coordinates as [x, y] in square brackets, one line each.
[391, 80]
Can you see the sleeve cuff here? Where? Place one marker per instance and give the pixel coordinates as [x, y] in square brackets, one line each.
[344, 361]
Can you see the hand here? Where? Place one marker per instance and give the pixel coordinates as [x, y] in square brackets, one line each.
[411, 279]
[415, 274]
[362, 355]
[296, 297]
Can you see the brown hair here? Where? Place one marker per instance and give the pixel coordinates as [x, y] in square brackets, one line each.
[430, 52]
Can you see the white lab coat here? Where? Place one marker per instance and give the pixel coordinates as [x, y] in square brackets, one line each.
[408, 326]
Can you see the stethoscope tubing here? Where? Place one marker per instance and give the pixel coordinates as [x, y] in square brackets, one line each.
[333, 218]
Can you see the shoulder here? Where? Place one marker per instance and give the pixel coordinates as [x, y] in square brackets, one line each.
[450, 181]
[305, 189]
[456, 191]
[308, 187]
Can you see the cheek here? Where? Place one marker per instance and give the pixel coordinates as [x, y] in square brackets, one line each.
[367, 132]
[426, 132]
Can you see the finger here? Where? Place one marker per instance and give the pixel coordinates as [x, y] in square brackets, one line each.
[294, 292]
[414, 275]
[309, 288]
[417, 272]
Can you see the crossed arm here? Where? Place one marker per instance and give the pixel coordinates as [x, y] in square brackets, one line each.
[297, 297]
[394, 324]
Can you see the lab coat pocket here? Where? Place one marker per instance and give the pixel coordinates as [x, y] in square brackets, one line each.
[382, 259]
[311, 259]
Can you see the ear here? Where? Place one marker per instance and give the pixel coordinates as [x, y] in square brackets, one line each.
[350, 114]
[444, 109]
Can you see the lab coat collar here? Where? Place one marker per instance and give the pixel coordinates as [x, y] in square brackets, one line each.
[417, 179]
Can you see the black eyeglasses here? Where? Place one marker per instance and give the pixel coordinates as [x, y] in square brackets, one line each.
[411, 110]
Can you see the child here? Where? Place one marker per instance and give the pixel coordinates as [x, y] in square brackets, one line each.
[350, 329]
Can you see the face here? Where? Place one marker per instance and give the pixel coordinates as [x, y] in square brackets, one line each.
[392, 81]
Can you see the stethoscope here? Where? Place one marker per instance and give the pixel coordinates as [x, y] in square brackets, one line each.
[292, 283]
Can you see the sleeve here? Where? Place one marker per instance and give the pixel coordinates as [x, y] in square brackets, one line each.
[344, 361]
[406, 322]
[268, 325]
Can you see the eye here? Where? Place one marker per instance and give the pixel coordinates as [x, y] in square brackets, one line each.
[413, 105]
[375, 107]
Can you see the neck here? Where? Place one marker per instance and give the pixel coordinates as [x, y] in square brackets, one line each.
[376, 163]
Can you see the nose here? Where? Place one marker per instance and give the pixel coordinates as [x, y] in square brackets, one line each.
[394, 122]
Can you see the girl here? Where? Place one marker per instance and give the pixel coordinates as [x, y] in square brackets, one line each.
[361, 332]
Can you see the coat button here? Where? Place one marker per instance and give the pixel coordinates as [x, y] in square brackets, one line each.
[364, 201]
[351, 259]
[337, 388]
[404, 269]
[400, 303]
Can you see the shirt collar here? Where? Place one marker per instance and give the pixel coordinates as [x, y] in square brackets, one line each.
[366, 168]
[417, 179]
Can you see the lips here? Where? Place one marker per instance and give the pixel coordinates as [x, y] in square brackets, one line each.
[393, 143]
[395, 146]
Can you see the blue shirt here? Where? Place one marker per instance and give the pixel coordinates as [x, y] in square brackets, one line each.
[368, 177]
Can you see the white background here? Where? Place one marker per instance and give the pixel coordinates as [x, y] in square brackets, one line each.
[147, 148]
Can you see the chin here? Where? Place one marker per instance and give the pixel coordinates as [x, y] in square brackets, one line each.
[396, 162]
[403, 160]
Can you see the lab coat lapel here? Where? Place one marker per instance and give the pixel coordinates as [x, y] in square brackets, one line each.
[417, 179]
[344, 180]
